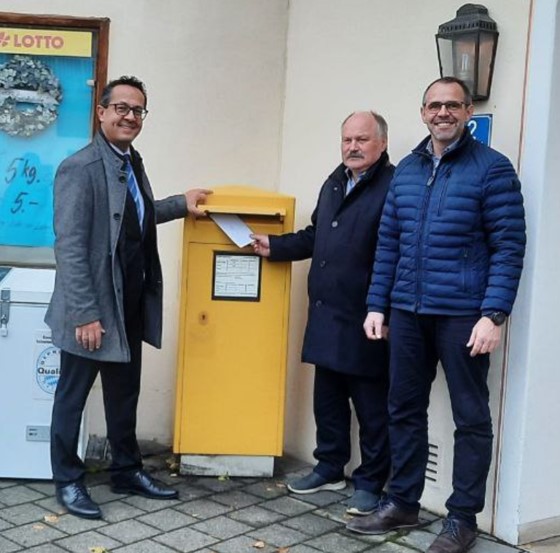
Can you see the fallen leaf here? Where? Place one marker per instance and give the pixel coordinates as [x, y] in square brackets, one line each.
[98, 550]
[223, 477]
[259, 545]
[38, 527]
[280, 485]
[283, 550]
[50, 518]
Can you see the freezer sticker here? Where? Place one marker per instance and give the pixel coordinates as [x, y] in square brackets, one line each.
[48, 369]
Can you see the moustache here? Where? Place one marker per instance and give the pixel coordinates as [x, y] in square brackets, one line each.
[355, 155]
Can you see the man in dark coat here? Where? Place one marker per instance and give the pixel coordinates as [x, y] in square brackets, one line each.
[448, 263]
[341, 241]
[108, 293]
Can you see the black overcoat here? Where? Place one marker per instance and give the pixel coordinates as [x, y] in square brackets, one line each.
[341, 242]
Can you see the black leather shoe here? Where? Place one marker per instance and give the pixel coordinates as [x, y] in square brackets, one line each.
[455, 537]
[387, 518]
[139, 482]
[77, 501]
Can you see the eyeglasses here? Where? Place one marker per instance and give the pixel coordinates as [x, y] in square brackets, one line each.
[451, 107]
[124, 109]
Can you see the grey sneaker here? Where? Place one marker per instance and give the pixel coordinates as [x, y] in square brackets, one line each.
[313, 483]
[362, 503]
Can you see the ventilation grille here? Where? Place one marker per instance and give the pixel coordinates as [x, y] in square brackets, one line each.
[432, 469]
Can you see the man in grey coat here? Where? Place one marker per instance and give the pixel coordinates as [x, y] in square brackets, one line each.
[108, 293]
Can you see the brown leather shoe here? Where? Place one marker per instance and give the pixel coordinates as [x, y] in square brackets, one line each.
[387, 518]
[455, 537]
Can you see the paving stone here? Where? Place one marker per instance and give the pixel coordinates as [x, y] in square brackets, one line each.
[311, 524]
[7, 546]
[336, 512]
[335, 543]
[129, 531]
[256, 516]
[45, 487]
[146, 546]
[32, 534]
[483, 545]
[4, 525]
[236, 499]
[321, 499]
[7, 483]
[117, 511]
[51, 504]
[288, 506]
[70, 524]
[167, 477]
[278, 535]
[15, 495]
[46, 548]
[418, 539]
[188, 492]
[391, 547]
[268, 489]
[222, 527]
[203, 508]
[216, 485]
[149, 505]
[186, 539]
[81, 543]
[303, 549]
[168, 519]
[102, 494]
[243, 544]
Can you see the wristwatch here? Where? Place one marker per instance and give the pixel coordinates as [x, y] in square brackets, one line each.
[497, 317]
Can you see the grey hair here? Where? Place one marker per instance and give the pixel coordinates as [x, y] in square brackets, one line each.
[382, 127]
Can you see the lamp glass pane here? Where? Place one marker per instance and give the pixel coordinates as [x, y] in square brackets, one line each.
[485, 61]
[457, 57]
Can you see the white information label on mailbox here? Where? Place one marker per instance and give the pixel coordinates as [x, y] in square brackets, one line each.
[236, 276]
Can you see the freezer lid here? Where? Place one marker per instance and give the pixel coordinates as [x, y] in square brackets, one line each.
[28, 285]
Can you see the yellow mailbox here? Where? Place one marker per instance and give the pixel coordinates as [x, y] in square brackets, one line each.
[231, 372]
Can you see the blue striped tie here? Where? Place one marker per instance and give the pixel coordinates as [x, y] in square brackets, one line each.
[134, 190]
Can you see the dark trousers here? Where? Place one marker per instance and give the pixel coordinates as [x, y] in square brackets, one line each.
[331, 404]
[418, 342]
[121, 387]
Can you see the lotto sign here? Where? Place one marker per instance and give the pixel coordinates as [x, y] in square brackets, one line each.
[480, 127]
[43, 42]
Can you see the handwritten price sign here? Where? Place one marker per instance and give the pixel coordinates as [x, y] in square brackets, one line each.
[25, 212]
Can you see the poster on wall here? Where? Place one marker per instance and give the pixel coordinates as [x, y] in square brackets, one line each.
[46, 102]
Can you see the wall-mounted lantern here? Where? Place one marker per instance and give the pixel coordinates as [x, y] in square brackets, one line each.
[467, 48]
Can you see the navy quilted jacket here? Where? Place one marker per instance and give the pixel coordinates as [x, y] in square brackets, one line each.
[450, 243]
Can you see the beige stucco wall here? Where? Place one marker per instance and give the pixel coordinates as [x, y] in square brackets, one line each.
[215, 73]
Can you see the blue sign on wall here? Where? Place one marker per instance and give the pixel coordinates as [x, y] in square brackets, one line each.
[480, 127]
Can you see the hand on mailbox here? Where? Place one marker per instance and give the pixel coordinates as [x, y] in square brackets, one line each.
[261, 244]
[194, 197]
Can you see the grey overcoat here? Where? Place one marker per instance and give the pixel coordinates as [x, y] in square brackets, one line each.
[89, 201]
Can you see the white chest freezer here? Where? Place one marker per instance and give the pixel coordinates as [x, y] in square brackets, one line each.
[29, 370]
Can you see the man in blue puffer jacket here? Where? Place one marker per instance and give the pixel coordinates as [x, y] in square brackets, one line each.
[447, 268]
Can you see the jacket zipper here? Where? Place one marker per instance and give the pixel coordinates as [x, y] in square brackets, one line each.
[425, 203]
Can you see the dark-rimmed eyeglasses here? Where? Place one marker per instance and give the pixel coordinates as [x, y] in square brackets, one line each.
[124, 109]
[451, 107]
